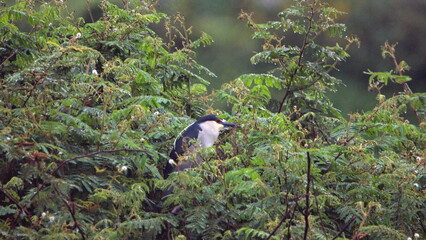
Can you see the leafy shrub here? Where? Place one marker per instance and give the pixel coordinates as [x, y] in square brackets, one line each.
[89, 112]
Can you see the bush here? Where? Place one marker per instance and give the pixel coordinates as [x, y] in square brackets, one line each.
[89, 112]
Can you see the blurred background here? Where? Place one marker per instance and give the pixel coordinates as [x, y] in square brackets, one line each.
[374, 22]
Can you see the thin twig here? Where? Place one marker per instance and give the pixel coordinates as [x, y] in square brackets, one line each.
[365, 214]
[316, 205]
[344, 228]
[153, 5]
[348, 140]
[41, 79]
[308, 186]
[21, 208]
[290, 222]
[405, 86]
[10, 56]
[24, 207]
[11, 198]
[421, 222]
[225, 136]
[96, 153]
[90, 11]
[299, 62]
[286, 215]
[71, 210]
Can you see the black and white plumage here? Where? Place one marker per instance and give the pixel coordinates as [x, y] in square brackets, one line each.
[205, 131]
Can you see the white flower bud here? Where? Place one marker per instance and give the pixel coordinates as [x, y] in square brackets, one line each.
[416, 235]
[43, 214]
[78, 35]
[156, 113]
[409, 238]
[124, 168]
[51, 219]
[94, 72]
[416, 185]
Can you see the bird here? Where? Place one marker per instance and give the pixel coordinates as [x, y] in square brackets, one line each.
[202, 133]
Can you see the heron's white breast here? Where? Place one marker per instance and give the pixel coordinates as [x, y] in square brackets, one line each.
[209, 133]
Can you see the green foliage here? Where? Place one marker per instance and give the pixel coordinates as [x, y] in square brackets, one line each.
[89, 112]
[87, 115]
[303, 70]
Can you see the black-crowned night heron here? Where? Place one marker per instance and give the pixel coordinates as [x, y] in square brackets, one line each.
[202, 133]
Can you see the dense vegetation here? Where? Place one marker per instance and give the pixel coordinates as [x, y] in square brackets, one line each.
[89, 112]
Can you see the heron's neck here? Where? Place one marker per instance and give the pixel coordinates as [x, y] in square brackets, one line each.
[209, 133]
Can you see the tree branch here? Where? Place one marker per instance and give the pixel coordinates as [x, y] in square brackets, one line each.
[316, 205]
[344, 228]
[308, 186]
[93, 154]
[286, 215]
[349, 139]
[71, 210]
[41, 79]
[405, 86]
[299, 62]
[9, 57]
[21, 208]
[89, 10]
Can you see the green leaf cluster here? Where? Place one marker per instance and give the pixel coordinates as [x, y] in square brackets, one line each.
[88, 112]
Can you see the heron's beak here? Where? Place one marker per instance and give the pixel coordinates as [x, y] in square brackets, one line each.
[227, 124]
